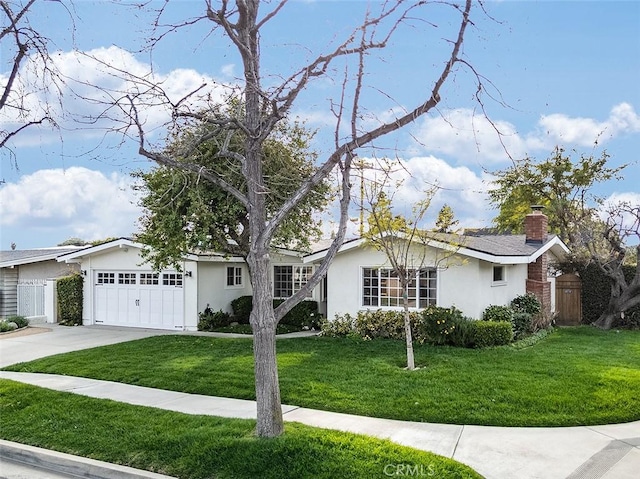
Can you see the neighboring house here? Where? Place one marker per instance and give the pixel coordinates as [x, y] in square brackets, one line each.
[120, 289]
[469, 272]
[23, 274]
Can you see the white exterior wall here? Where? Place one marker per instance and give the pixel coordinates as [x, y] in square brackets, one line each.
[469, 286]
[213, 289]
[465, 283]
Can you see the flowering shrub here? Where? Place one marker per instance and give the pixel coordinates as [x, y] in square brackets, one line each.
[388, 324]
[438, 326]
[340, 326]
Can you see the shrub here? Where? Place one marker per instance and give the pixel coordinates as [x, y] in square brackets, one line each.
[242, 309]
[208, 320]
[305, 313]
[70, 300]
[485, 334]
[527, 303]
[6, 326]
[522, 325]
[498, 313]
[20, 321]
[438, 325]
[387, 324]
[341, 326]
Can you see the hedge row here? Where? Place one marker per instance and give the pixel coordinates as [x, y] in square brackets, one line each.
[435, 325]
[70, 300]
[596, 291]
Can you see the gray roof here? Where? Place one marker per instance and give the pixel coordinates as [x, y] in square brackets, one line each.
[25, 256]
[502, 245]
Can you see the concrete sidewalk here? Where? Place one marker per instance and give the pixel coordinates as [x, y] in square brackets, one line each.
[608, 452]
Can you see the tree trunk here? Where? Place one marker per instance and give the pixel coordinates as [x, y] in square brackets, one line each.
[411, 365]
[263, 323]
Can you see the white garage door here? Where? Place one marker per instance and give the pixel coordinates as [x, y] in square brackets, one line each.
[139, 299]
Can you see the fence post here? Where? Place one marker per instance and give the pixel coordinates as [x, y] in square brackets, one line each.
[51, 301]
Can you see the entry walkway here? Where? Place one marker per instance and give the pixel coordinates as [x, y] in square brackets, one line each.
[585, 452]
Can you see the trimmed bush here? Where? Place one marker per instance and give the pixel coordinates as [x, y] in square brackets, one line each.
[305, 313]
[242, 309]
[486, 334]
[20, 321]
[209, 320]
[498, 313]
[70, 300]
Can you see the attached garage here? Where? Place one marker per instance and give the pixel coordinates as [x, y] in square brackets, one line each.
[142, 299]
[120, 289]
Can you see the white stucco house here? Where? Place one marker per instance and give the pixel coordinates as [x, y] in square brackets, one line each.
[470, 273]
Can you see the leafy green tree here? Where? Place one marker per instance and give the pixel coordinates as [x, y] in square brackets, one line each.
[446, 222]
[185, 213]
[596, 233]
[561, 184]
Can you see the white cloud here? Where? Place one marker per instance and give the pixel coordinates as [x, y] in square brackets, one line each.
[562, 129]
[82, 96]
[86, 203]
[458, 186]
[471, 138]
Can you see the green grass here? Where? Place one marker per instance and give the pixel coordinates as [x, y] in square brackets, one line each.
[199, 446]
[575, 376]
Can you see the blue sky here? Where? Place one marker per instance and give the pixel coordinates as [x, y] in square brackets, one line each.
[568, 73]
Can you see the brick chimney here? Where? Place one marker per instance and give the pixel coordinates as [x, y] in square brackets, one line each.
[536, 225]
[536, 233]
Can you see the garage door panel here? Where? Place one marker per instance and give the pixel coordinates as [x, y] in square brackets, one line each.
[127, 298]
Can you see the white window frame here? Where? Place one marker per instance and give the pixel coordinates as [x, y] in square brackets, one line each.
[503, 280]
[300, 274]
[237, 277]
[381, 289]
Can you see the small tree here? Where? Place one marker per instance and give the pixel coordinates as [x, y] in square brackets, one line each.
[446, 222]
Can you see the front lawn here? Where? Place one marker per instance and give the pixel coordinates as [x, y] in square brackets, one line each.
[193, 447]
[575, 376]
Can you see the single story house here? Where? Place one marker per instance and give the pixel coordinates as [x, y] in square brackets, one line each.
[469, 272]
[23, 276]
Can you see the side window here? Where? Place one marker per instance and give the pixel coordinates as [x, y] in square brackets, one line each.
[172, 279]
[499, 275]
[234, 276]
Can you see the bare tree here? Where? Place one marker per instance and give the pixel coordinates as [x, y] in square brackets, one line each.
[241, 23]
[23, 47]
[403, 243]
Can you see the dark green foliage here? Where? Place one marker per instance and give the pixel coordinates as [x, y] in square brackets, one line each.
[498, 313]
[486, 334]
[339, 327]
[522, 325]
[596, 291]
[303, 314]
[20, 321]
[70, 300]
[438, 326]
[527, 303]
[242, 309]
[210, 320]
